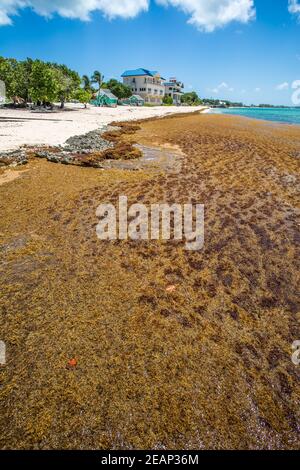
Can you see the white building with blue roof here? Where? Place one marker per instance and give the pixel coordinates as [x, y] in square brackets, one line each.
[174, 89]
[146, 83]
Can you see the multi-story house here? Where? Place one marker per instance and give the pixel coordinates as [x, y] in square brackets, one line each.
[148, 84]
[174, 89]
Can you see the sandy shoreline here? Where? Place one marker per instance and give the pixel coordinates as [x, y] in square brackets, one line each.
[21, 127]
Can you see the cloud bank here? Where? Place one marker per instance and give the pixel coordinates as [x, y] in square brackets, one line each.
[207, 15]
[283, 86]
[222, 87]
[80, 9]
[294, 7]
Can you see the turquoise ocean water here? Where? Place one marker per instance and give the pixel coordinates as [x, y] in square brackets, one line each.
[283, 115]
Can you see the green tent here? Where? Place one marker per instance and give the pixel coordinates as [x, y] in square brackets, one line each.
[104, 97]
[134, 100]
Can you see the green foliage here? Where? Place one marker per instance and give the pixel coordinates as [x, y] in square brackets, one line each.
[11, 73]
[220, 103]
[43, 82]
[67, 82]
[38, 80]
[98, 78]
[87, 84]
[191, 99]
[119, 89]
[167, 100]
[83, 96]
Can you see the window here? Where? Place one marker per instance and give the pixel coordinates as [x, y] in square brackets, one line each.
[149, 90]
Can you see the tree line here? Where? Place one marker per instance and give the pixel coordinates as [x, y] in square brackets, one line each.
[191, 99]
[221, 103]
[43, 83]
[117, 88]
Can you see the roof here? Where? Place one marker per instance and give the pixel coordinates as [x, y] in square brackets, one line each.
[139, 73]
[178, 84]
[106, 92]
[138, 97]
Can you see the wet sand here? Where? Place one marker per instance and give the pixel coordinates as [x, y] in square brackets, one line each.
[204, 365]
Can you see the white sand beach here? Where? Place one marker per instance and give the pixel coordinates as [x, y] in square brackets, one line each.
[22, 127]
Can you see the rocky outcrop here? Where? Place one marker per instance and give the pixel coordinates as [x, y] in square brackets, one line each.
[13, 158]
[90, 142]
[84, 150]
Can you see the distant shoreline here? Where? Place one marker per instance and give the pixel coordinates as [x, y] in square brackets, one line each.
[290, 116]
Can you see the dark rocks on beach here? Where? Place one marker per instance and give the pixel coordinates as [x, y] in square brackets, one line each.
[89, 150]
[56, 156]
[80, 145]
[13, 158]
[92, 141]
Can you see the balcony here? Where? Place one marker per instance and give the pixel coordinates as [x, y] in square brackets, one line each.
[153, 81]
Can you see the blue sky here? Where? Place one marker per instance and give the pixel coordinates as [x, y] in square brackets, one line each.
[242, 50]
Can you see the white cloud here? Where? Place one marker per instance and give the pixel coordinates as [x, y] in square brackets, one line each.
[223, 86]
[257, 90]
[5, 10]
[283, 86]
[206, 15]
[80, 9]
[294, 7]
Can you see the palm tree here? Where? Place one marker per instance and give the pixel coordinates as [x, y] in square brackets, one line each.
[98, 78]
[86, 83]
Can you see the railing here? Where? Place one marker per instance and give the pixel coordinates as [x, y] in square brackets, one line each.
[153, 82]
[146, 81]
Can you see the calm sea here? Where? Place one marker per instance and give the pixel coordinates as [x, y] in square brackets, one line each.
[284, 115]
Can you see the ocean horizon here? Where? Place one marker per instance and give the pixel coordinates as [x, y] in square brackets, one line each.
[280, 115]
